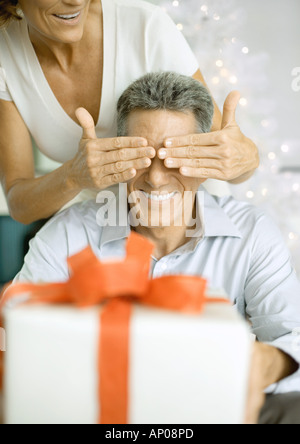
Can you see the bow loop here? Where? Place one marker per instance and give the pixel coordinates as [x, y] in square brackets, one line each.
[178, 293]
[92, 282]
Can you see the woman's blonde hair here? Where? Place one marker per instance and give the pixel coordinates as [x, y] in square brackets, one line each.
[8, 11]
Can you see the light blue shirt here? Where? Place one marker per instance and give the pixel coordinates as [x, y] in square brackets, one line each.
[241, 251]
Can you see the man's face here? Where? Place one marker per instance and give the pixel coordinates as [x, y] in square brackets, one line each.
[158, 187]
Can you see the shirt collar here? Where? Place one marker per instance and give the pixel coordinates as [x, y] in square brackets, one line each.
[216, 221]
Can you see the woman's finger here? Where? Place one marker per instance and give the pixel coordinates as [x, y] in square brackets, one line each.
[87, 124]
[202, 173]
[126, 154]
[193, 163]
[202, 139]
[229, 108]
[116, 143]
[118, 178]
[191, 152]
[121, 167]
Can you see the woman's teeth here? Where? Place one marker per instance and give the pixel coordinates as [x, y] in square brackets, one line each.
[68, 17]
[160, 197]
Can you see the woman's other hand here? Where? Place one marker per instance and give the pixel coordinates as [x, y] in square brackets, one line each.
[101, 163]
[224, 155]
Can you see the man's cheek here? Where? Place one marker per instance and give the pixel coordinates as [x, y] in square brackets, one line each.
[135, 183]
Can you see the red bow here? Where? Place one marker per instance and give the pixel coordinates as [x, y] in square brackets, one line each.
[119, 284]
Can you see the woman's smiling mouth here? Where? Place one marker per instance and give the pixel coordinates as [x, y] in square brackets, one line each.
[68, 18]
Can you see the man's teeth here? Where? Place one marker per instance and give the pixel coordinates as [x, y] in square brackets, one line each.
[159, 197]
[68, 17]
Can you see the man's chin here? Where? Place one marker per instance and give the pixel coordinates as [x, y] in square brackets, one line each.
[156, 214]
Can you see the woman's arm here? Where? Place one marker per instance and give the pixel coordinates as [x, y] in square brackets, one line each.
[28, 199]
[98, 164]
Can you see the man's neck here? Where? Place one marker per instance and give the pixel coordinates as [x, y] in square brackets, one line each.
[166, 239]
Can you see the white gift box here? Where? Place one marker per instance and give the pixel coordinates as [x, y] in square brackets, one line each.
[184, 369]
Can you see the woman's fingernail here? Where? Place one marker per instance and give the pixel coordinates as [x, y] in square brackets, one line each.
[168, 143]
[162, 154]
[150, 152]
[184, 170]
[169, 162]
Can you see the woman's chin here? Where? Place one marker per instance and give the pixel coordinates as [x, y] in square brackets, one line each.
[69, 37]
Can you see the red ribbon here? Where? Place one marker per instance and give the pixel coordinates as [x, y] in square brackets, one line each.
[119, 285]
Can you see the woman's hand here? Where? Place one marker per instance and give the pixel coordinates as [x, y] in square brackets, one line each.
[225, 155]
[101, 163]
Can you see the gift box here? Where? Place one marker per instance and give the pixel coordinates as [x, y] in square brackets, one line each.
[129, 360]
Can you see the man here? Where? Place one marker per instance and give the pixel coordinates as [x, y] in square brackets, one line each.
[233, 245]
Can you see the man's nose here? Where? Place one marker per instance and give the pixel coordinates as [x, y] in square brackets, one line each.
[157, 174]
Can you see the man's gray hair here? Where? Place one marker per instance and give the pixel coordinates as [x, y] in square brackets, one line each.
[167, 91]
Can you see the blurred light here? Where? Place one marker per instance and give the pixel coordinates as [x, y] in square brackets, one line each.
[176, 3]
[204, 8]
[215, 80]
[250, 194]
[224, 72]
[180, 26]
[272, 156]
[216, 17]
[234, 40]
[296, 187]
[245, 50]
[233, 79]
[285, 148]
[219, 63]
[265, 123]
[264, 191]
[243, 101]
[293, 236]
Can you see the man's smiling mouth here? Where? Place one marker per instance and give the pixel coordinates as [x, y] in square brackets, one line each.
[159, 197]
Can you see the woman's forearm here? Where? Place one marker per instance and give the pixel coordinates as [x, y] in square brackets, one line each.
[30, 200]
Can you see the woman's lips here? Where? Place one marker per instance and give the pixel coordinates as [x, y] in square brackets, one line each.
[68, 19]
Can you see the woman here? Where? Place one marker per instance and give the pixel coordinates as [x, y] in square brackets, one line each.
[59, 55]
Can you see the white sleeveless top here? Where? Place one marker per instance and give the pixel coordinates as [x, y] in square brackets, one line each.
[138, 38]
